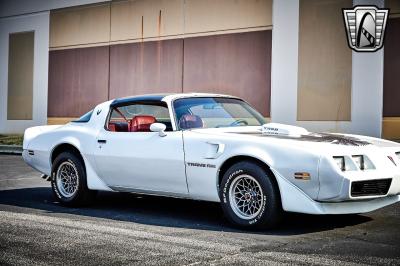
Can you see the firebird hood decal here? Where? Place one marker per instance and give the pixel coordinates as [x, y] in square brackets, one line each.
[317, 137]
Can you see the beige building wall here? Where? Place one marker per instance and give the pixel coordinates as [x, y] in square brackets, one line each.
[325, 67]
[211, 15]
[144, 20]
[80, 25]
[20, 76]
[128, 29]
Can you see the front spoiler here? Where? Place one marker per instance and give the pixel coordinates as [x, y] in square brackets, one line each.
[295, 200]
[356, 206]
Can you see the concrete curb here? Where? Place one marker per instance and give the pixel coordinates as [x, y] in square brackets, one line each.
[11, 149]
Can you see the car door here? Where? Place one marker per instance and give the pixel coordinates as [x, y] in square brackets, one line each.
[141, 161]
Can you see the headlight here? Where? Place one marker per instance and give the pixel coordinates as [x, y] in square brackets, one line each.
[359, 160]
[363, 162]
[353, 163]
[340, 162]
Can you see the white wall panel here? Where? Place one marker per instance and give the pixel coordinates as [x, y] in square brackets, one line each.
[367, 78]
[39, 23]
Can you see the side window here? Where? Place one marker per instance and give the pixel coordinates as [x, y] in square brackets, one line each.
[138, 117]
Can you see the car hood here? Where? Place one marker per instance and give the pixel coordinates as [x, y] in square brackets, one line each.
[308, 139]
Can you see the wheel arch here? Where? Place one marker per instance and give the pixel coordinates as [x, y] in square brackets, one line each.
[83, 194]
[240, 158]
[63, 147]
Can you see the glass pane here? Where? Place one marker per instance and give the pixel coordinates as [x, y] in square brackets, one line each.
[216, 112]
[122, 116]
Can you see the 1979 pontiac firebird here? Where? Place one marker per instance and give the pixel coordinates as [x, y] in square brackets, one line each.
[214, 148]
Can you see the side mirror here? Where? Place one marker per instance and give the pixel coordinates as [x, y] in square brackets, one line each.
[158, 127]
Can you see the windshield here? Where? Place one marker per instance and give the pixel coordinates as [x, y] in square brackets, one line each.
[199, 112]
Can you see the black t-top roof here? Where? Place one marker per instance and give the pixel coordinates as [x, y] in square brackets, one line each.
[139, 98]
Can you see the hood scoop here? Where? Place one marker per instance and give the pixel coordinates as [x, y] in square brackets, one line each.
[276, 129]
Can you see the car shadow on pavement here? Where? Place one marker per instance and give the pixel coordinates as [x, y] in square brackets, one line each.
[170, 212]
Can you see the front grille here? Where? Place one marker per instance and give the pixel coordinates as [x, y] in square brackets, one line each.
[370, 187]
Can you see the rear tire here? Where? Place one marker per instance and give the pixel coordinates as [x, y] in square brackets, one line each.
[68, 180]
[250, 197]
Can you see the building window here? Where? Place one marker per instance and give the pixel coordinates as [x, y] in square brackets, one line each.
[324, 77]
[20, 76]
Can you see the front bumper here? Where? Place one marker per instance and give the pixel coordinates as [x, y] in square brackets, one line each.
[296, 200]
[358, 185]
[363, 188]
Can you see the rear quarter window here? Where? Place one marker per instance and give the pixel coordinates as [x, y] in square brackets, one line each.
[85, 118]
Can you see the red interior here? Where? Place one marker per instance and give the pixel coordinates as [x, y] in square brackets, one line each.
[190, 121]
[118, 126]
[111, 127]
[141, 123]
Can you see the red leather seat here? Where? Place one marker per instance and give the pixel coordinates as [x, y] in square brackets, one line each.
[118, 126]
[111, 127]
[190, 121]
[141, 123]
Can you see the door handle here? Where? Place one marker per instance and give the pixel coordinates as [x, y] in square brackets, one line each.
[103, 141]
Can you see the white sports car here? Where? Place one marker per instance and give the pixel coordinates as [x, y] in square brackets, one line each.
[214, 148]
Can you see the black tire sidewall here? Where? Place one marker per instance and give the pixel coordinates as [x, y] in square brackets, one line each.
[82, 187]
[270, 211]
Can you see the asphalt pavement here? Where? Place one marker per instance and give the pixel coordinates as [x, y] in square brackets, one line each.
[122, 228]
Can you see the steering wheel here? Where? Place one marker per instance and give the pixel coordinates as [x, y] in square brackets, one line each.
[238, 122]
[235, 123]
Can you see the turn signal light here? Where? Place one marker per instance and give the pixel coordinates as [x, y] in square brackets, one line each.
[302, 176]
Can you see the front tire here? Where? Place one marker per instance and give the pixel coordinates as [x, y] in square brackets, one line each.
[68, 180]
[250, 197]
